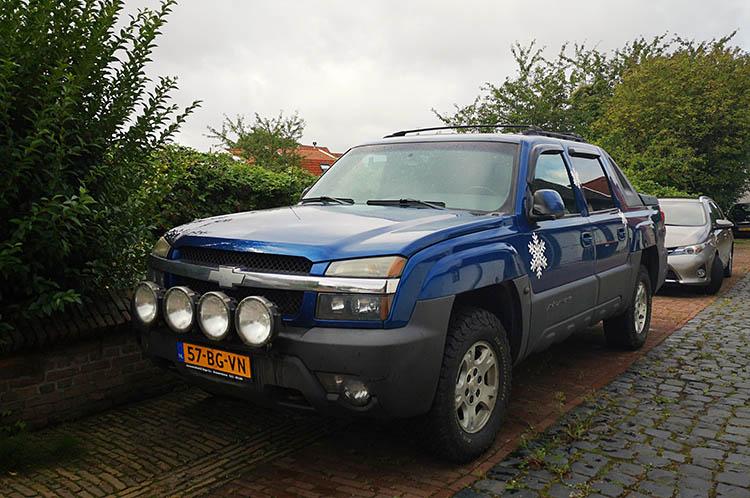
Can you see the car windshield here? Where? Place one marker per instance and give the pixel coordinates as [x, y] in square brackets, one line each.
[476, 176]
[683, 213]
[740, 212]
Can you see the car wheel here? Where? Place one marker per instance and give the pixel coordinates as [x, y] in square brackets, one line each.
[717, 276]
[728, 269]
[630, 329]
[473, 388]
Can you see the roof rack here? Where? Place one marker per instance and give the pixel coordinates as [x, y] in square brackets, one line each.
[527, 130]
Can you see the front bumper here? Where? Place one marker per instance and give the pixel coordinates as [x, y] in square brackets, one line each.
[399, 366]
[683, 268]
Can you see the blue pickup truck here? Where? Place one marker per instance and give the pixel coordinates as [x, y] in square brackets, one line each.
[409, 280]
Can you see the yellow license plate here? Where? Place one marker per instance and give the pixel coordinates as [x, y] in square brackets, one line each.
[744, 229]
[215, 361]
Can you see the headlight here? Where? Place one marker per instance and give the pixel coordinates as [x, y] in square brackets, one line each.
[353, 306]
[380, 267]
[695, 249]
[161, 248]
[146, 301]
[215, 314]
[179, 308]
[254, 320]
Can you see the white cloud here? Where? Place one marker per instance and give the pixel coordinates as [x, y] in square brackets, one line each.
[358, 70]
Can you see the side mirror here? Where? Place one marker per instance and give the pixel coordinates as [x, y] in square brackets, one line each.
[547, 205]
[302, 195]
[723, 224]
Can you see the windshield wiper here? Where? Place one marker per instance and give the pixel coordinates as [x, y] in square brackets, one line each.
[325, 198]
[406, 202]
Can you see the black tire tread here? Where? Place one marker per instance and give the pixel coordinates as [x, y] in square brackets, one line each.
[619, 330]
[717, 276]
[440, 438]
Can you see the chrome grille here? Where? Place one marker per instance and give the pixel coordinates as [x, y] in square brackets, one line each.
[289, 302]
[250, 261]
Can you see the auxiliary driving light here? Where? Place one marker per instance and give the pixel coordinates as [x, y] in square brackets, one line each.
[215, 314]
[354, 390]
[179, 308]
[146, 301]
[254, 320]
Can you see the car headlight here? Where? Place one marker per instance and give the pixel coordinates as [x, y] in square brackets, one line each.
[379, 267]
[161, 248]
[146, 297]
[215, 315]
[254, 320]
[179, 308]
[353, 306]
[694, 249]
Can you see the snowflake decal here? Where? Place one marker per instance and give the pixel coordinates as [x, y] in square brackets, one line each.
[538, 259]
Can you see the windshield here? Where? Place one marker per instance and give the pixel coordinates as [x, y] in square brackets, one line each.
[476, 176]
[683, 213]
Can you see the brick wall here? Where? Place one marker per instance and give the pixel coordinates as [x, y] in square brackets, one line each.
[52, 377]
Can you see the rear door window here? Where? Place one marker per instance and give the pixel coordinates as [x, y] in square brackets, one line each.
[594, 184]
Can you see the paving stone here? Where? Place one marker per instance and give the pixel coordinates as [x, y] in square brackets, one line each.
[607, 489]
[491, 486]
[734, 478]
[656, 489]
[695, 471]
[731, 491]
[711, 453]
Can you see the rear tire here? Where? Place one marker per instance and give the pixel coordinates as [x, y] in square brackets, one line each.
[717, 276]
[629, 329]
[473, 388]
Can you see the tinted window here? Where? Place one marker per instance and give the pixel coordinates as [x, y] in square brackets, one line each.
[551, 173]
[632, 198]
[594, 184]
[683, 213]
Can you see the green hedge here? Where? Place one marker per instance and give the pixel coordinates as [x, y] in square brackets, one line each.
[198, 185]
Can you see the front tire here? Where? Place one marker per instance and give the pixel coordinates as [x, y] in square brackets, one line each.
[629, 329]
[728, 269]
[717, 276]
[473, 388]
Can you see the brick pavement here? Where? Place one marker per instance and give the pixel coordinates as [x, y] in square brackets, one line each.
[188, 443]
[676, 423]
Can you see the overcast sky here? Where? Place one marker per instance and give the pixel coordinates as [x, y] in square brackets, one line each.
[357, 70]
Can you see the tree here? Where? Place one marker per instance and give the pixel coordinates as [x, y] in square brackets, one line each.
[565, 93]
[672, 112]
[682, 120]
[269, 142]
[78, 126]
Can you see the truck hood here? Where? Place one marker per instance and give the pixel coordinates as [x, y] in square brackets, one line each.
[329, 232]
[678, 236]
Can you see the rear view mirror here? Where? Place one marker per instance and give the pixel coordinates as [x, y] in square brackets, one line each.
[547, 205]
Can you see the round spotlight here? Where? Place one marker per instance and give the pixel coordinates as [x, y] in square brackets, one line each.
[215, 314]
[146, 301]
[179, 308]
[254, 319]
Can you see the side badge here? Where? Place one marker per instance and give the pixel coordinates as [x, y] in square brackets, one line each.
[538, 259]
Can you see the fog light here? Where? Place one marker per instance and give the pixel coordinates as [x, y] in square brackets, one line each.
[254, 320]
[701, 272]
[145, 304]
[354, 390]
[179, 308]
[215, 314]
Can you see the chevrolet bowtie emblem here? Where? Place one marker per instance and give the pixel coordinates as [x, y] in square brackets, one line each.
[226, 277]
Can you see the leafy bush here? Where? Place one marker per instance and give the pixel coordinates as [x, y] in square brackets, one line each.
[78, 126]
[197, 185]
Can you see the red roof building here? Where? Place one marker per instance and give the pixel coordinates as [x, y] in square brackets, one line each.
[314, 159]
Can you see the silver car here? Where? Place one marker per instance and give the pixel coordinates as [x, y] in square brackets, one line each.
[699, 241]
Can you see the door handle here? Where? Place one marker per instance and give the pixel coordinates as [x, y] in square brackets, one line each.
[587, 238]
[621, 233]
